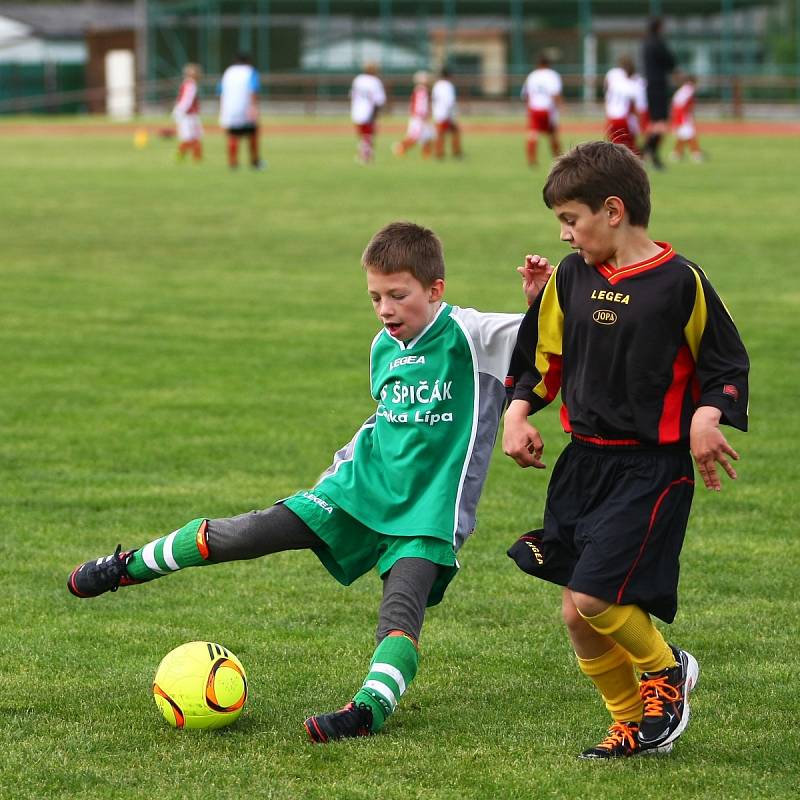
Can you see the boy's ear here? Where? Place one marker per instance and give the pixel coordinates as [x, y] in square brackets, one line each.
[615, 208]
[436, 291]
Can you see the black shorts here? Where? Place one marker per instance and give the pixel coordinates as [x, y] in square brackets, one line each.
[243, 130]
[658, 103]
[614, 525]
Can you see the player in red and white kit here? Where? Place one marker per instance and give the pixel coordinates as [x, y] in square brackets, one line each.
[186, 114]
[542, 91]
[683, 121]
[445, 113]
[639, 118]
[620, 104]
[420, 128]
[367, 95]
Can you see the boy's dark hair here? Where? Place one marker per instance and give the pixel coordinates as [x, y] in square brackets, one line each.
[591, 172]
[406, 247]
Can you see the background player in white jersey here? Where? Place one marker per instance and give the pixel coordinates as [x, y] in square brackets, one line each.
[238, 109]
[639, 117]
[367, 96]
[419, 121]
[186, 114]
[401, 495]
[443, 101]
[620, 103]
[683, 123]
[542, 91]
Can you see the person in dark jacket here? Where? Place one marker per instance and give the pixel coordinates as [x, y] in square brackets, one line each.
[658, 62]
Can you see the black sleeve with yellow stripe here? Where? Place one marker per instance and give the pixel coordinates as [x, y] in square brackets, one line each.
[536, 365]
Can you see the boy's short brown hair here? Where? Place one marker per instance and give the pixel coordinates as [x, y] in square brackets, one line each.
[406, 247]
[591, 172]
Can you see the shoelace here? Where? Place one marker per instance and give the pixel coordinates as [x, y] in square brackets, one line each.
[115, 566]
[654, 691]
[619, 733]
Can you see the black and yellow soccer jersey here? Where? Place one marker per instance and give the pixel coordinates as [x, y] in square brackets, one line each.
[633, 350]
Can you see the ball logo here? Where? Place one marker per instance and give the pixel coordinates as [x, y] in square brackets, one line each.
[211, 687]
[200, 685]
[604, 316]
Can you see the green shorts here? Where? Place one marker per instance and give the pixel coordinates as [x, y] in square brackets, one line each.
[352, 549]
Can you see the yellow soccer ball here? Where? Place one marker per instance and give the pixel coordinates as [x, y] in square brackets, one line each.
[200, 685]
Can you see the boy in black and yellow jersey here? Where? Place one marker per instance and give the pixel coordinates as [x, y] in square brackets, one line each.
[649, 363]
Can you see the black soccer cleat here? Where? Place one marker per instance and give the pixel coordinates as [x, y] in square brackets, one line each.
[349, 722]
[104, 574]
[621, 742]
[665, 696]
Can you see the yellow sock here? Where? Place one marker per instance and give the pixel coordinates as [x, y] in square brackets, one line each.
[633, 629]
[613, 675]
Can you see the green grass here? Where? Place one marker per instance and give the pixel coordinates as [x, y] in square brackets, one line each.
[178, 340]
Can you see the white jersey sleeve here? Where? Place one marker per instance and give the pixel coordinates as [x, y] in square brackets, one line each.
[493, 336]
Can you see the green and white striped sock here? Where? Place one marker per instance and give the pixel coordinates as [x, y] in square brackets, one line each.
[185, 547]
[393, 667]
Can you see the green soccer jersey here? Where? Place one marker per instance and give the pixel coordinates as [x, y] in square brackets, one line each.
[416, 467]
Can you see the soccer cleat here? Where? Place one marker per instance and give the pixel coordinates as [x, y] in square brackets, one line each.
[105, 574]
[348, 722]
[621, 742]
[665, 696]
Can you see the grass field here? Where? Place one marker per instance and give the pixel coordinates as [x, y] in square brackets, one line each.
[181, 341]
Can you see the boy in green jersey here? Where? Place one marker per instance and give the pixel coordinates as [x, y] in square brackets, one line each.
[401, 495]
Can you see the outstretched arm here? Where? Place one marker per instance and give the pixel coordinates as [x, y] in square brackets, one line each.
[709, 447]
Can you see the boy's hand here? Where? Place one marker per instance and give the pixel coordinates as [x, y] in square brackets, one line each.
[521, 441]
[535, 274]
[709, 447]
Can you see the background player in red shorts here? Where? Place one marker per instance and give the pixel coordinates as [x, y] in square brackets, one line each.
[367, 96]
[443, 102]
[542, 91]
[683, 123]
[620, 104]
[419, 128]
[186, 114]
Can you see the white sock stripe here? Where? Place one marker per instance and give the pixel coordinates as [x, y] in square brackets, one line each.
[169, 559]
[384, 691]
[149, 557]
[393, 673]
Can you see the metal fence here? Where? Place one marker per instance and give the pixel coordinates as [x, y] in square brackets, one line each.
[744, 53]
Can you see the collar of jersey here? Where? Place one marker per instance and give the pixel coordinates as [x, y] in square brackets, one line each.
[440, 314]
[615, 275]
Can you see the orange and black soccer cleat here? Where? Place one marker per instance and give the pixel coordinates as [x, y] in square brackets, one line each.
[621, 742]
[665, 696]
